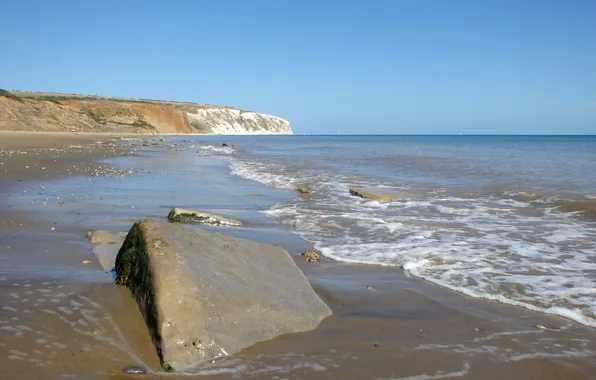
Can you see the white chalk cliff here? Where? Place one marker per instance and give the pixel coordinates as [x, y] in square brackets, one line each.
[230, 121]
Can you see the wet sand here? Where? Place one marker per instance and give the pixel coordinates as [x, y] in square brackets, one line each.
[61, 318]
[26, 155]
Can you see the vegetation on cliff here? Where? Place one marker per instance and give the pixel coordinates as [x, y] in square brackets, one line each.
[9, 95]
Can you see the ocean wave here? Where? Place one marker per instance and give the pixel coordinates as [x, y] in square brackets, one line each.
[527, 250]
[215, 149]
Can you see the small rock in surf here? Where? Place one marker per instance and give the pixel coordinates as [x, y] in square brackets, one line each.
[311, 256]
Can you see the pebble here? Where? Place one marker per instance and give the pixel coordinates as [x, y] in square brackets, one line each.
[548, 328]
[134, 370]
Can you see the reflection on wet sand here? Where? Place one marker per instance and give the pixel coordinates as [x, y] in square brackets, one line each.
[60, 318]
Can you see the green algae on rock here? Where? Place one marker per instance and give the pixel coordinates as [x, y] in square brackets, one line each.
[181, 215]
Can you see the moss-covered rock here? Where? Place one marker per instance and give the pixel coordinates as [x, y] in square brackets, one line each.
[132, 271]
[181, 215]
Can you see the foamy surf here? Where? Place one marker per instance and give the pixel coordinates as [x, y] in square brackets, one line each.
[215, 149]
[515, 248]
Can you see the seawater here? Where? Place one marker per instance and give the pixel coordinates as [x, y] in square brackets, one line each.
[507, 218]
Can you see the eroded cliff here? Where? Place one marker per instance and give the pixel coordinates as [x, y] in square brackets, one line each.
[59, 112]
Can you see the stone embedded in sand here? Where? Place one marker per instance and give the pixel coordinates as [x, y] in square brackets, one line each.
[379, 194]
[134, 370]
[311, 256]
[205, 295]
[198, 217]
[106, 246]
[105, 237]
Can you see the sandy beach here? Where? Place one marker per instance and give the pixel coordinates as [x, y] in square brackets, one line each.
[62, 318]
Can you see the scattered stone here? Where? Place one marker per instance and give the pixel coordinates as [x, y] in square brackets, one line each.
[379, 194]
[134, 370]
[311, 256]
[368, 287]
[205, 295]
[181, 215]
[105, 237]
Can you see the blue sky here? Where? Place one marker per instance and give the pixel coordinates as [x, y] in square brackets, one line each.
[444, 66]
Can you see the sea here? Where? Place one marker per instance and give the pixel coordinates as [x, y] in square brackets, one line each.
[508, 219]
[504, 218]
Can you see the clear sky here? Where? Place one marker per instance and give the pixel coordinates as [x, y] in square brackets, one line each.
[444, 66]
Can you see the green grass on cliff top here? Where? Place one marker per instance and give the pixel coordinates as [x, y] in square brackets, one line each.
[9, 95]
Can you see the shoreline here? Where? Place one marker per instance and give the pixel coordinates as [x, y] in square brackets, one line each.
[22, 137]
[391, 329]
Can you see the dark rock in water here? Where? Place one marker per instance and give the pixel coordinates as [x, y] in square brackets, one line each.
[181, 215]
[224, 144]
[134, 370]
[205, 295]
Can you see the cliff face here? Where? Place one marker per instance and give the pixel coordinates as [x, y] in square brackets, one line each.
[229, 121]
[57, 112]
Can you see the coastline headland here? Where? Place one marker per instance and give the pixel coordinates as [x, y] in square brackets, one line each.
[52, 112]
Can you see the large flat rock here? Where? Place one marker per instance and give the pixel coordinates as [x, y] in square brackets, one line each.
[205, 295]
[379, 194]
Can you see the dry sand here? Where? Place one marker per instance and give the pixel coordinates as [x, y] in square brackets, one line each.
[59, 317]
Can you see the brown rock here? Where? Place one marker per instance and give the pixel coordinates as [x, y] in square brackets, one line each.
[379, 194]
[311, 256]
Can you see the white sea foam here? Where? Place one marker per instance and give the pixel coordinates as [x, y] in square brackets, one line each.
[484, 246]
[217, 149]
[439, 375]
